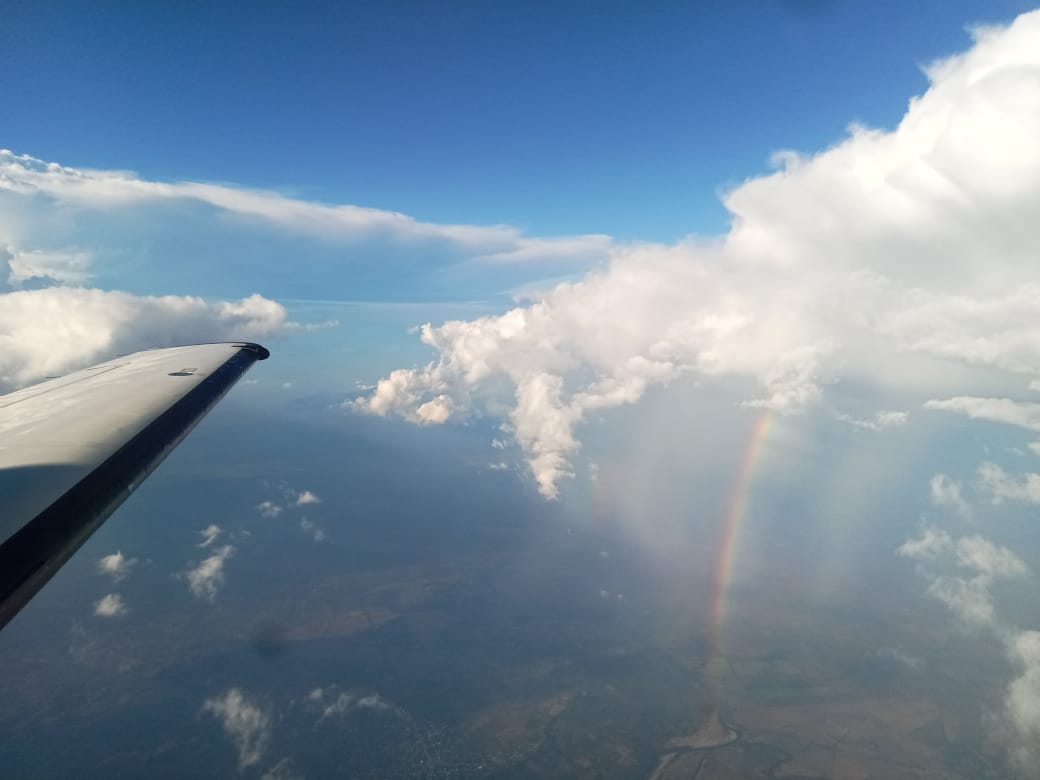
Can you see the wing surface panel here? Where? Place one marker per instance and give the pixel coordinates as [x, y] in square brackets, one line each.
[73, 448]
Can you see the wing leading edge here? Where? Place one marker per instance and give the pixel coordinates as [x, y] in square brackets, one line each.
[72, 449]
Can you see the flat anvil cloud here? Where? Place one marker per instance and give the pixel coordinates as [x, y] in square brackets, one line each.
[917, 241]
[108, 189]
[71, 225]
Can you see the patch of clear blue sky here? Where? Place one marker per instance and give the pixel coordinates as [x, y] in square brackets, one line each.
[557, 117]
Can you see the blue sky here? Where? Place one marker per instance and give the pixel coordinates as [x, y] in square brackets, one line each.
[615, 118]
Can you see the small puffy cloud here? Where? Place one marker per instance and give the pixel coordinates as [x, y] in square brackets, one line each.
[374, 701]
[341, 704]
[932, 543]
[1002, 486]
[879, 422]
[332, 702]
[307, 497]
[901, 657]
[889, 419]
[961, 573]
[245, 723]
[117, 566]
[992, 560]
[946, 492]
[209, 535]
[268, 509]
[968, 598]
[976, 563]
[52, 331]
[313, 530]
[111, 605]
[879, 259]
[1023, 697]
[971, 552]
[207, 578]
[283, 770]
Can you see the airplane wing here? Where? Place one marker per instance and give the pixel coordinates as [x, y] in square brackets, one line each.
[73, 448]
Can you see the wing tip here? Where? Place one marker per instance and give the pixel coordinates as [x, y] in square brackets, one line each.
[262, 352]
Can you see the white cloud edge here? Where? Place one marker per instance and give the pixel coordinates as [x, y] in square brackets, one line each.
[87, 188]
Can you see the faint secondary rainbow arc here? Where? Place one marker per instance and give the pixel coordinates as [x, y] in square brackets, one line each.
[736, 512]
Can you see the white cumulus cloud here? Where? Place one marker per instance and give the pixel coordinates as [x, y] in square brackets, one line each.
[1023, 696]
[54, 330]
[111, 605]
[268, 509]
[245, 722]
[331, 702]
[1002, 486]
[117, 566]
[307, 497]
[859, 261]
[878, 422]
[207, 578]
[209, 535]
[283, 770]
[946, 492]
[313, 530]
[976, 563]
[961, 574]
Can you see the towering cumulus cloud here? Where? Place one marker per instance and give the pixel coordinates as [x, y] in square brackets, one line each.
[917, 241]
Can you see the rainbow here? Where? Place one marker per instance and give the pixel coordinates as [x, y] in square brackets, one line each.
[736, 511]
